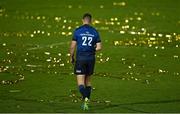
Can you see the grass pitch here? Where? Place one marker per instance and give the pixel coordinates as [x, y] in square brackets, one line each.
[137, 70]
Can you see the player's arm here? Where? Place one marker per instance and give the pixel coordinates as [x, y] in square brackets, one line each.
[98, 46]
[72, 50]
[98, 43]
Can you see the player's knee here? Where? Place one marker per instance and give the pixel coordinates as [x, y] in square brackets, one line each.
[80, 79]
[80, 83]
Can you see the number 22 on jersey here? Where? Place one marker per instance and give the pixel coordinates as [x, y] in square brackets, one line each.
[87, 41]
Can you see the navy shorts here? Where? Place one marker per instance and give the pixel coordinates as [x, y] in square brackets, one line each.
[84, 67]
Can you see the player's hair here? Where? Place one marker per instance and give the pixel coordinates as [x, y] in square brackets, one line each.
[88, 16]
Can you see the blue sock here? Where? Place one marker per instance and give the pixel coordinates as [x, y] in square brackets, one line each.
[82, 91]
[88, 91]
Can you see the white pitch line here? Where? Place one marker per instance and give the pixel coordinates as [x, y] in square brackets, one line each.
[55, 44]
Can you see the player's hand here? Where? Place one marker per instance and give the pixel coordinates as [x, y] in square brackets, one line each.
[72, 60]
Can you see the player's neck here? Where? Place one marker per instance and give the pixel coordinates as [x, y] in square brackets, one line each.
[86, 23]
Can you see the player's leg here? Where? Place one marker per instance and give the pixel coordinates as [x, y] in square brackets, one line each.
[82, 89]
[88, 86]
[88, 80]
[81, 85]
[90, 71]
[79, 70]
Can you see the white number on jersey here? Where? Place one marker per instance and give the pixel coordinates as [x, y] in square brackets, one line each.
[87, 41]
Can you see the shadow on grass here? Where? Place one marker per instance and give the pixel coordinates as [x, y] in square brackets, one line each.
[95, 107]
[128, 107]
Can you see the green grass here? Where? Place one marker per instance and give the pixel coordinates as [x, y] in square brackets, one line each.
[128, 78]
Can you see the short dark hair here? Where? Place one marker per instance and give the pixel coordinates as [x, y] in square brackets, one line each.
[87, 15]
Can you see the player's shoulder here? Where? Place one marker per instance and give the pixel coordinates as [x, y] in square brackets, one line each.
[93, 29]
[78, 28]
[85, 27]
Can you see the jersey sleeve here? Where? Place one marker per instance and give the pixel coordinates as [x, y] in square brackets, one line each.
[98, 38]
[74, 37]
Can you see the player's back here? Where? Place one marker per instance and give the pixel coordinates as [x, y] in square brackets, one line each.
[86, 37]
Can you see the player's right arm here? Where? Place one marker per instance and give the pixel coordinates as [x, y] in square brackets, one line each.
[72, 50]
[73, 47]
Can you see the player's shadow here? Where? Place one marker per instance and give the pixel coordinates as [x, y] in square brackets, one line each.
[127, 106]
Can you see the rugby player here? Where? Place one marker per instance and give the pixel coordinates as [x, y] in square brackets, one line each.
[86, 41]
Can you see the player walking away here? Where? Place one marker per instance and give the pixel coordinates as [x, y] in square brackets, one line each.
[86, 41]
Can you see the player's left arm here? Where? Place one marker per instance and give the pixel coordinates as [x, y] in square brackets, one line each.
[98, 46]
[98, 43]
[72, 50]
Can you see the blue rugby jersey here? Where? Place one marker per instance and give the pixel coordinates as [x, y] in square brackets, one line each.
[86, 37]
